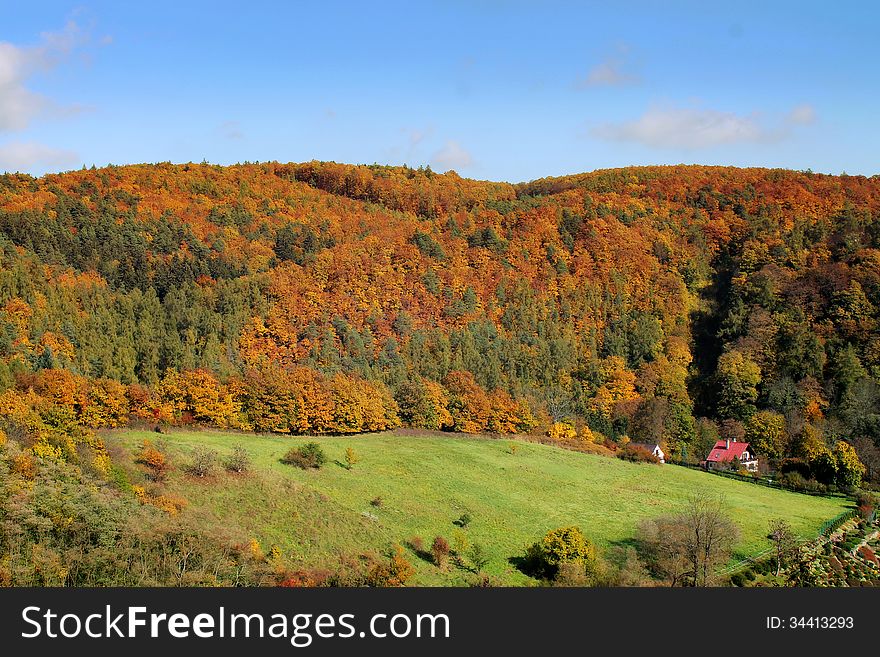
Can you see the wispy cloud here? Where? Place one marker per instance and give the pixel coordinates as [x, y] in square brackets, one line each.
[684, 127]
[694, 128]
[452, 156]
[613, 71]
[802, 115]
[609, 73]
[19, 105]
[230, 130]
[28, 156]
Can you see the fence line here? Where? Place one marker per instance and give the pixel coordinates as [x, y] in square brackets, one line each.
[761, 481]
[828, 527]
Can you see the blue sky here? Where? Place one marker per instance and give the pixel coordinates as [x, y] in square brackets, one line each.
[493, 89]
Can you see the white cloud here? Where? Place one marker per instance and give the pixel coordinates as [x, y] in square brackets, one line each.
[613, 71]
[452, 156]
[687, 128]
[29, 156]
[18, 104]
[610, 73]
[802, 115]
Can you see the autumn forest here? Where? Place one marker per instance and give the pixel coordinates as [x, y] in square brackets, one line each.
[671, 304]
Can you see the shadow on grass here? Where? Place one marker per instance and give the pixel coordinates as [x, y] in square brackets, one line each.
[526, 566]
[421, 553]
[631, 542]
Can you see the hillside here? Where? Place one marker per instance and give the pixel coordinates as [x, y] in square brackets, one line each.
[661, 303]
[672, 304]
[426, 483]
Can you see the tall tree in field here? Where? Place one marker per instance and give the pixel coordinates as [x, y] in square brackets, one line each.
[784, 541]
[711, 536]
[686, 548]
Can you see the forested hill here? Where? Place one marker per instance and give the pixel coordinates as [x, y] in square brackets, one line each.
[661, 303]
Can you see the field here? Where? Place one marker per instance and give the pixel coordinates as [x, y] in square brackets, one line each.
[426, 482]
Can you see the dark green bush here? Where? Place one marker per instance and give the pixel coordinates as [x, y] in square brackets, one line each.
[464, 520]
[308, 456]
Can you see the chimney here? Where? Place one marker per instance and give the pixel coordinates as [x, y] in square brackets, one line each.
[728, 443]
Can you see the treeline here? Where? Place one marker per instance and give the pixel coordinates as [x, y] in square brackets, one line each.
[301, 401]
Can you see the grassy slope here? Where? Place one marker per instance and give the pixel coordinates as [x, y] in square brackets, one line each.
[427, 482]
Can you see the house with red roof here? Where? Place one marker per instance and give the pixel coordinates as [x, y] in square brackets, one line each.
[726, 454]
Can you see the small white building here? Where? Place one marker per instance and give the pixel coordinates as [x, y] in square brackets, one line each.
[651, 448]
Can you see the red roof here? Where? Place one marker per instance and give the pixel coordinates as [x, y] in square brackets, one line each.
[721, 453]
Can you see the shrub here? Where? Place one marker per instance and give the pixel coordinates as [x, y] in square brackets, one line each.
[460, 543]
[571, 573]
[566, 544]
[23, 465]
[635, 454]
[395, 572]
[154, 461]
[796, 465]
[351, 458]
[464, 520]
[866, 503]
[478, 557]
[203, 462]
[376, 501]
[239, 461]
[440, 551]
[417, 544]
[562, 432]
[308, 456]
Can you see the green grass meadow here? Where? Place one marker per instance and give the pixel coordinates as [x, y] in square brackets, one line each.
[426, 482]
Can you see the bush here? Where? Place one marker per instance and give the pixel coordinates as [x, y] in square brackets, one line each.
[440, 551]
[395, 572]
[478, 557]
[239, 461]
[866, 503]
[796, 465]
[203, 462]
[351, 458]
[571, 573]
[464, 520]
[635, 454]
[566, 544]
[308, 456]
[154, 461]
[460, 543]
[376, 501]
